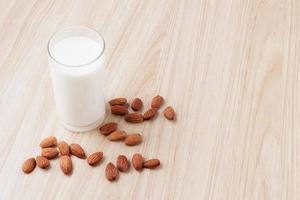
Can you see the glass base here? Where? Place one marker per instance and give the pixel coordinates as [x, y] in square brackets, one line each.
[83, 128]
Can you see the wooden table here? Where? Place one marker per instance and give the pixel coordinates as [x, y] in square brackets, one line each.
[229, 68]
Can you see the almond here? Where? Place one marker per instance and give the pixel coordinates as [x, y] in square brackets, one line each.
[134, 118]
[66, 165]
[117, 135]
[118, 101]
[169, 113]
[151, 164]
[95, 158]
[136, 104]
[123, 163]
[137, 161]
[42, 162]
[133, 139]
[149, 114]
[48, 142]
[111, 172]
[77, 151]
[108, 128]
[50, 153]
[63, 148]
[157, 101]
[119, 110]
[29, 165]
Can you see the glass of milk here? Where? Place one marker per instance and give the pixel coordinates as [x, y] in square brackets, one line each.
[76, 61]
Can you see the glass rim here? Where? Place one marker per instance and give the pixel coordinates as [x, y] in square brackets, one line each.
[78, 27]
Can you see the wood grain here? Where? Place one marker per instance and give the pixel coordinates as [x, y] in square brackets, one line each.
[229, 68]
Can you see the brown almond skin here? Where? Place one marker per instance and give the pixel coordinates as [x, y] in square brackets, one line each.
[118, 101]
[134, 118]
[117, 136]
[111, 172]
[136, 104]
[150, 114]
[77, 151]
[95, 158]
[50, 152]
[119, 110]
[42, 162]
[123, 163]
[133, 139]
[66, 165]
[63, 148]
[169, 113]
[137, 161]
[48, 142]
[151, 164]
[157, 101]
[108, 128]
[29, 165]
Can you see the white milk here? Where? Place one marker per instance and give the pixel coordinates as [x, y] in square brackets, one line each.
[77, 50]
[77, 77]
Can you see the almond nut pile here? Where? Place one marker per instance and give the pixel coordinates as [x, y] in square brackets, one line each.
[51, 148]
[119, 106]
[110, 130]
[49, 151]
[123, 165]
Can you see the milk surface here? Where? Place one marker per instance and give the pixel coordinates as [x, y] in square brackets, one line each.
[76, 50]
[78, 82]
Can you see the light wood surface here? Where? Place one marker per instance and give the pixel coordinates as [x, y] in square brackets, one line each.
[229, 68]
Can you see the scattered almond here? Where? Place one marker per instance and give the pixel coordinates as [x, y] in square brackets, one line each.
[111, 172]
[63, 148]
[66, 164]
[29, 165]
[119, 110]
[123, 163]
[137, 161]
[169, 113]
[42, 162]
[118, 101]
[77, 151]
[108, 128]
[157, 101]
[149, 114]
[50, 152]
[151, 164]
[117, 135]
[136, 104]
[119, 106]
[95, 158]
[133, 139]
[134, 118]
[48, 142]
